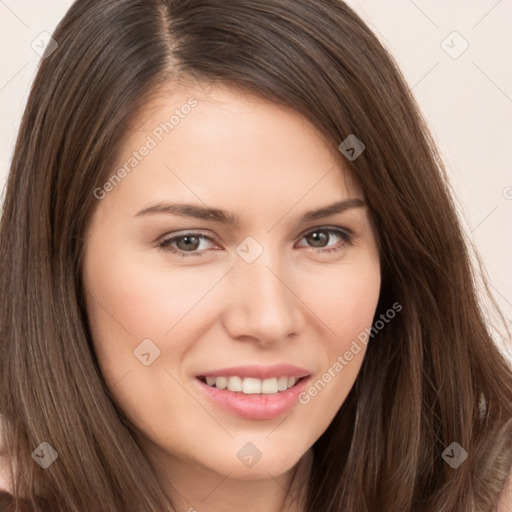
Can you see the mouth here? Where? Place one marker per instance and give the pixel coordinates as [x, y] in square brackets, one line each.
[252, 385]
[255, 393]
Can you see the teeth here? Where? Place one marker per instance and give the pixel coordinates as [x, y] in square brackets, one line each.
[235, 384]
[252, 386]
[282, 383]
[269, 386]
[221, 382]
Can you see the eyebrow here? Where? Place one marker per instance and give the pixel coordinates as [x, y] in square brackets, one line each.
[228, 218]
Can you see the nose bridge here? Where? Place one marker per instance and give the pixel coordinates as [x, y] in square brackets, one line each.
[262, 305]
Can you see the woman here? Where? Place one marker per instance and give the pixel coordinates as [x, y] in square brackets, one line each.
[233, 276]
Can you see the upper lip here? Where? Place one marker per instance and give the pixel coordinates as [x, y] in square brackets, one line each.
[259, 372]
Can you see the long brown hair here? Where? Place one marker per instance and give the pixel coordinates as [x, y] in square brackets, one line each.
[433, 377]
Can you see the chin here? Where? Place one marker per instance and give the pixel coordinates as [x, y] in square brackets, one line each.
[251, 463]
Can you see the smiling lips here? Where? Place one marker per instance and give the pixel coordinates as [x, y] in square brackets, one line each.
[255, 392]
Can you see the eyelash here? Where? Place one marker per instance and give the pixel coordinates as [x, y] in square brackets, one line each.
[346, 239]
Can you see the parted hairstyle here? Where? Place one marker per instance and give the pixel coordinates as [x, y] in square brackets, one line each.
[434, 376]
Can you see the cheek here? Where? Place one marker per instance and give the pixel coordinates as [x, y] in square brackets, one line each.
[133, 303]
[348, 313]
[129, 303]
[345, 301]
[142, 299]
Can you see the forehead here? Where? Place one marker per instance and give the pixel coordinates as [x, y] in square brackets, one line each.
[220, 141]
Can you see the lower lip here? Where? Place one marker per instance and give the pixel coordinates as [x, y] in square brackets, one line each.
[257, 406]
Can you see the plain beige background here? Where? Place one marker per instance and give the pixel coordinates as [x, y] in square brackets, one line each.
[456, 58]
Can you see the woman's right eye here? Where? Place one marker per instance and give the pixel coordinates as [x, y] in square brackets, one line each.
[187, 244]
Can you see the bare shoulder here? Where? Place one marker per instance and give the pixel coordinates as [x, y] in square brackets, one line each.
[5, 484]
[505, 503]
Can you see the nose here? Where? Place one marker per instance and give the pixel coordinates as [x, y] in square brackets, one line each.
[262, 306]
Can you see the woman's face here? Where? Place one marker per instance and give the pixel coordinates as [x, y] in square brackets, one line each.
[255, 294]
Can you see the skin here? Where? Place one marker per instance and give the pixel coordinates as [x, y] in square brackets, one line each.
[293, 304]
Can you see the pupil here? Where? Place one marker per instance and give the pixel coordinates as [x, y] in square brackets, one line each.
[186, 242]
[318, 237]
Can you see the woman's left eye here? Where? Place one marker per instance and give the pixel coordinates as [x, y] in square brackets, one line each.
[188, 244]
[320, 235]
